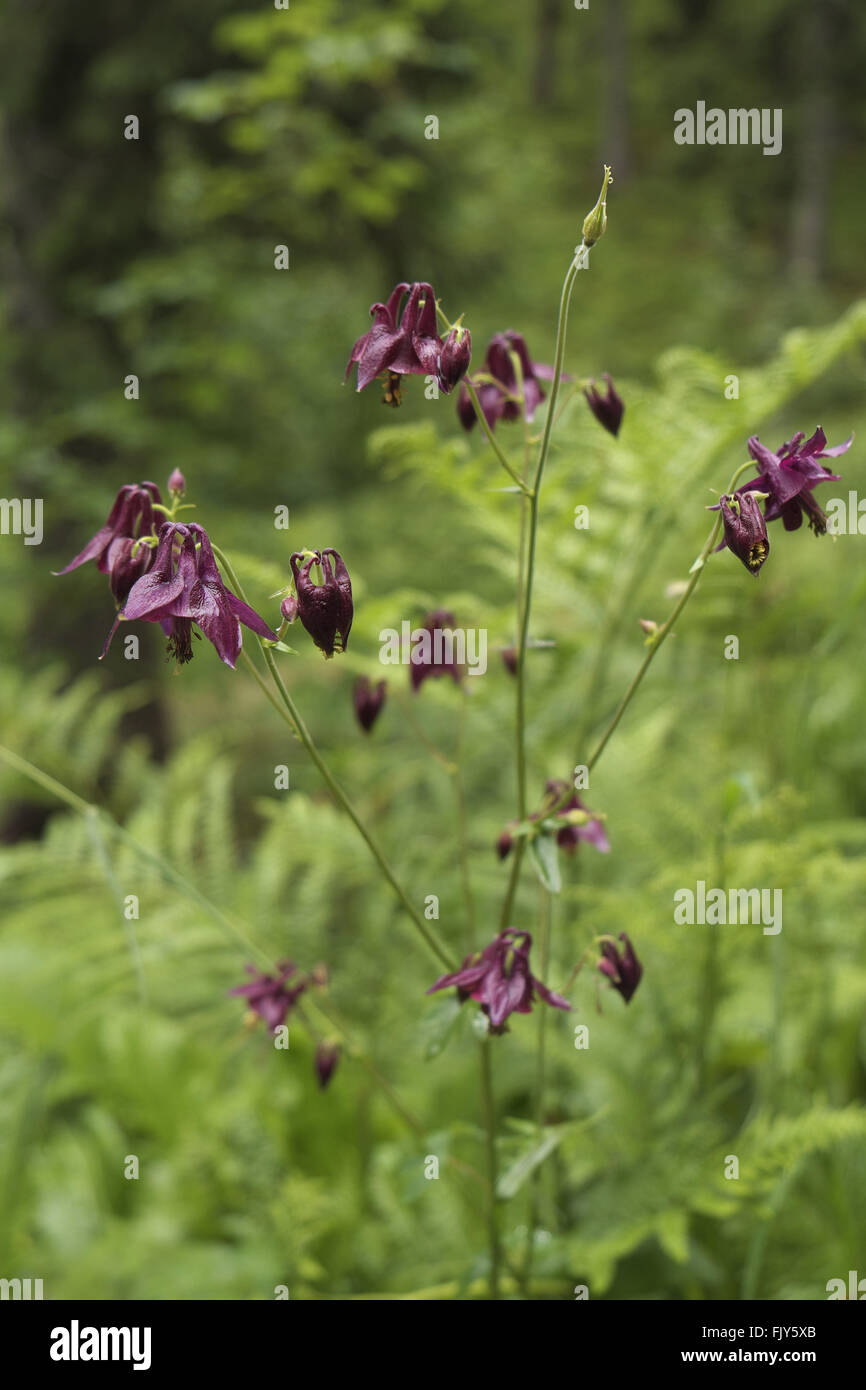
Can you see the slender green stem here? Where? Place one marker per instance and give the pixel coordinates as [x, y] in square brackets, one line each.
[525, 608]
[544, 934]
[167, 870]
[342, 800]
[292, 716]
[463, 820]
[488, 1108]
[666, 628]
[491, 438]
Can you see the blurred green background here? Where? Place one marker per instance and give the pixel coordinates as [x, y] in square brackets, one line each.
[155, 257]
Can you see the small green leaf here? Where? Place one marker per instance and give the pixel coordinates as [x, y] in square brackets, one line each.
[439, 1025]
[282, 647]
[545, 861]
[511, 1182]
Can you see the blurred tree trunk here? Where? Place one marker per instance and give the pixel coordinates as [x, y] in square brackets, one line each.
[548, 14]
[814, 153]
[616, 124]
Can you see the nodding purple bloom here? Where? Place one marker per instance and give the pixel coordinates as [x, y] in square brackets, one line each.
[401, 346]
[327, 1057]
[270, 996]
[326, 610]
[571, 835]
[434, 655]
[622, 968]
[559, 799]
[454, 358]
[499, 979]
[790, 477]
[184, 587]
[608, 409]
[113, 547]
[368, 700]
[499, 399]
[745, 530]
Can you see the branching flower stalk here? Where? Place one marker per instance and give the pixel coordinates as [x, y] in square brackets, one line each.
[655, 639]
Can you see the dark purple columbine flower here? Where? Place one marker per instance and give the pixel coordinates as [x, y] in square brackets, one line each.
[499, 398]
[327, 1057]
[326, 610]
[745, 530]
[790, 476]
[454, 358]
[608, 409]
[434, 657]
[571, 835]
[621, 967]
[113, 547]
[401, 346]
[270, 996]
[499, 979]
[368, 700]
[559, 799]
[184, 587]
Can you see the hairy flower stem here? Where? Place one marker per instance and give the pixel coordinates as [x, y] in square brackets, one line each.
[666, 627]
[292, 716]
[489, 1112]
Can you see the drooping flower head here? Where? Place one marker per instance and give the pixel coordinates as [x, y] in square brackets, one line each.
[327, 1057]
[608, 409]
[184, 587]
[621, 967]
[500, 980]
[271, 996]
[559, 801]
[570, 836]
[499, 398]
[790, 477]
[114, 546]
[745, 530]
[326, 610]
[368, 700]
[434, 654]
[454, 358]
[399, 346]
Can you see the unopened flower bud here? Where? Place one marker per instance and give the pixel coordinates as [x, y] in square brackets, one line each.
[595, 222]
[177, 483]
[608, 409]
[368, 700]
[454, 358]
[327, 1057]
[289, 608]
